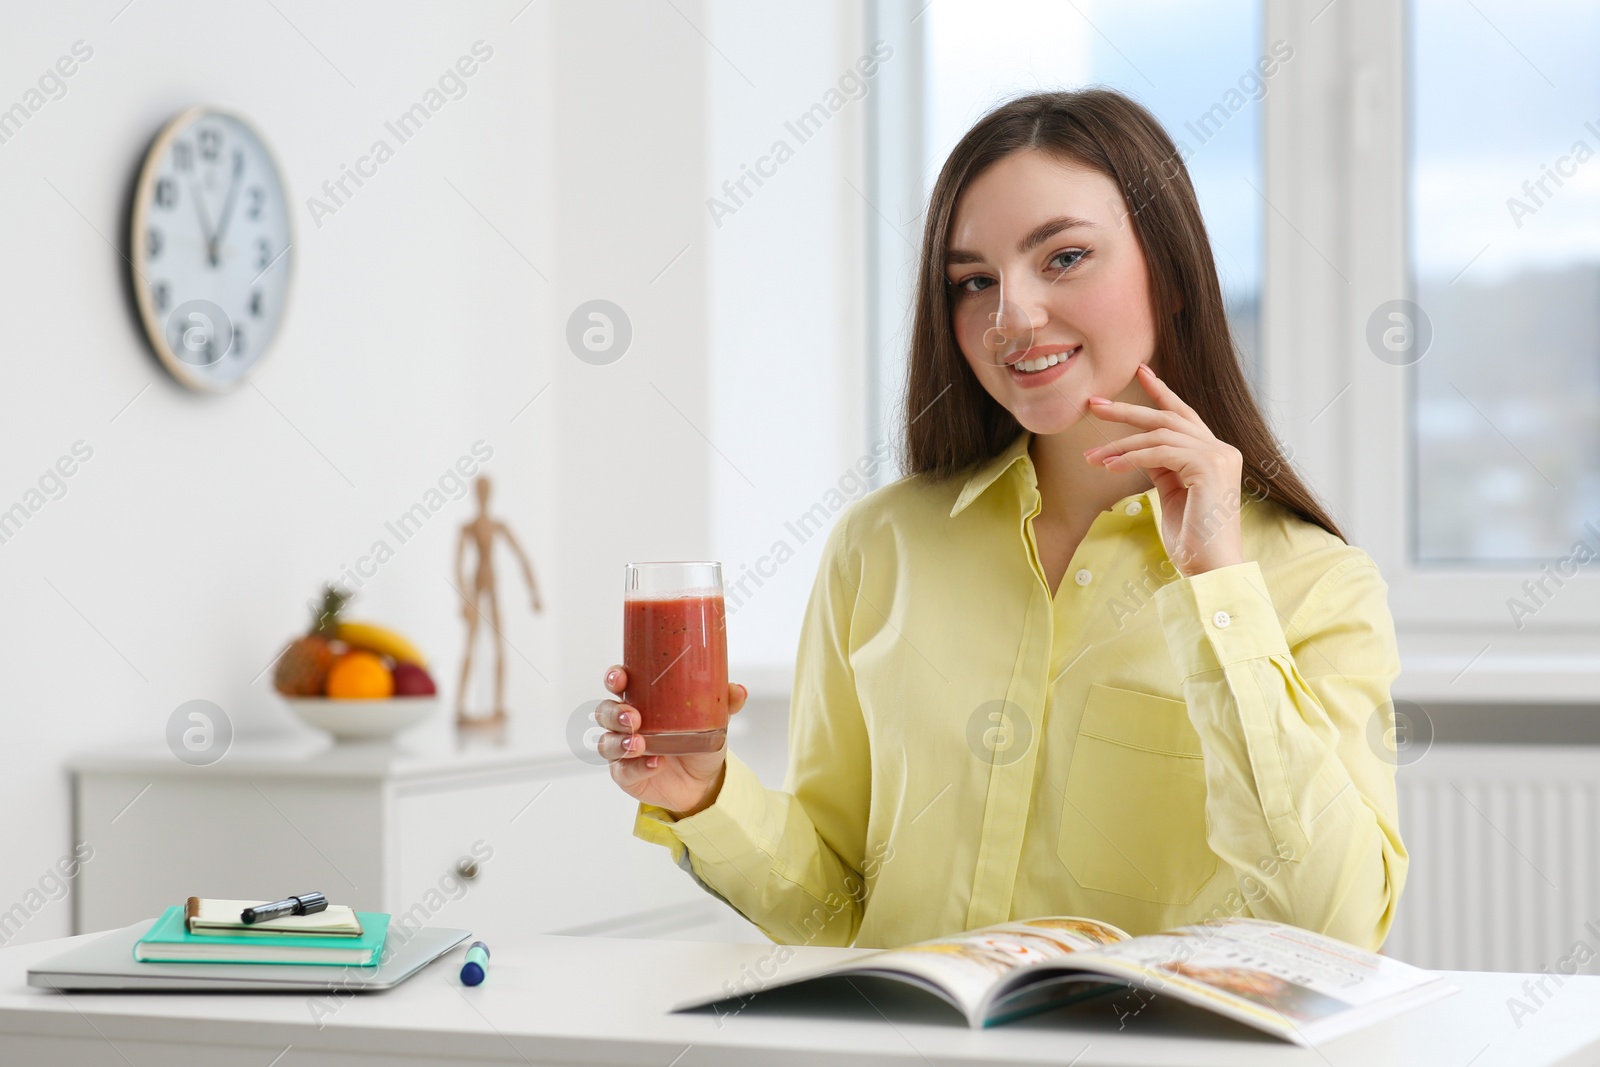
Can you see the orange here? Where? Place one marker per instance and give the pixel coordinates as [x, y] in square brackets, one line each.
[359, 676]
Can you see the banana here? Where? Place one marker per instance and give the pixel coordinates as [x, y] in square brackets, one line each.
[379, 639]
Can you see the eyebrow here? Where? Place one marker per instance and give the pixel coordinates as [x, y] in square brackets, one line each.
[1036, 236]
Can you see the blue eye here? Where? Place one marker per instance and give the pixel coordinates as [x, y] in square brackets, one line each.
[977, 283]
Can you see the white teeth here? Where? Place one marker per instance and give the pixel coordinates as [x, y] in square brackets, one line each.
[1035, 365]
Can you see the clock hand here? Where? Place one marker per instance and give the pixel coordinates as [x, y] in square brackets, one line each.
[227, 206]
[205, 226]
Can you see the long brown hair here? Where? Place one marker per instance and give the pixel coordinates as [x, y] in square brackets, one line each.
[952, 424]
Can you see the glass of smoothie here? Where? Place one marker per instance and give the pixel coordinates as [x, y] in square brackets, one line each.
[675, 650]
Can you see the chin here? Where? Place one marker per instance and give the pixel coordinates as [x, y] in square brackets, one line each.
[1052, 418]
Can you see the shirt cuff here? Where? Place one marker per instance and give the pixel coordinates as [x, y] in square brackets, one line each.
[724, 825]
[1220, 617]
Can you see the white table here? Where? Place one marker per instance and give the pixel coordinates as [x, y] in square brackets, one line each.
[553, 1000]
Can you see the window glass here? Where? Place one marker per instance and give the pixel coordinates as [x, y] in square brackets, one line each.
[1505, 257]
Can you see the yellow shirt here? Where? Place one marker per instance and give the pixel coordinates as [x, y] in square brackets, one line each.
[1142, 748]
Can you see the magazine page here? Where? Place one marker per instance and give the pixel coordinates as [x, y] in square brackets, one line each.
[962, 969]
[1300, 985]
[969, 966]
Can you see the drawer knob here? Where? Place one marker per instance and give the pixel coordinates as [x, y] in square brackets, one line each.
[467, 867]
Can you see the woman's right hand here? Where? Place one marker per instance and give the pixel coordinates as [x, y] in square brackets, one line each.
[683, 784]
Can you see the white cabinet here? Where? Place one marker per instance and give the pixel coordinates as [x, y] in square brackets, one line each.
[495, 840]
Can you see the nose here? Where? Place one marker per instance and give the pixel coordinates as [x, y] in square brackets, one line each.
[1020, 313]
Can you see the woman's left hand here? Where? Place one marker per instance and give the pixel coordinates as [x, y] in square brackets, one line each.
[1197, 475]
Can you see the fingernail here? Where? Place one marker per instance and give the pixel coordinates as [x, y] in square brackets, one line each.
[652, 761]
[629, 719]
[630, 743]
[611, 677]
[1098, 400]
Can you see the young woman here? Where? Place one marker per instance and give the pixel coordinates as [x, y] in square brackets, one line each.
[1101, 652]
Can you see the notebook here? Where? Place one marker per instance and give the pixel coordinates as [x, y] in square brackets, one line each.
[208, 915]
[106, 963]
[169, 941]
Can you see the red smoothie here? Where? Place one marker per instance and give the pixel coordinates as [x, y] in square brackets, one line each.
[675, 650]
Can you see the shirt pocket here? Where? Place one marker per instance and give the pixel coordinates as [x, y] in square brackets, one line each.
[1133, 821]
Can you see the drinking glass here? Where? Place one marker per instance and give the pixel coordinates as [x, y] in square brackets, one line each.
[675, 650]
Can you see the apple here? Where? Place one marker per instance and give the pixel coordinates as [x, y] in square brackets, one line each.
[411, 680]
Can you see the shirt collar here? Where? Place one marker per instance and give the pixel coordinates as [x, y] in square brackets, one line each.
[991, 470]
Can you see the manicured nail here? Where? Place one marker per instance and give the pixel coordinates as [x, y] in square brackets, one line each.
[652, 761]
[627, 720]
[1098, 400]
[611, 677]
[629, 744]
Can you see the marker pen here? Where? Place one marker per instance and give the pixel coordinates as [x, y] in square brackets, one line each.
[476, 969]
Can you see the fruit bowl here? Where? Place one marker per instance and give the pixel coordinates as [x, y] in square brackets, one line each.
[362, 720]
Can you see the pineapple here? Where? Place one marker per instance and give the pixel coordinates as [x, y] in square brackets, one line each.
[302, 670]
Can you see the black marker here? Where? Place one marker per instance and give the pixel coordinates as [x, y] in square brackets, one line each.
[304, 904]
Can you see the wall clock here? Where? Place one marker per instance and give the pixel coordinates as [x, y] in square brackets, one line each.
[212, 248]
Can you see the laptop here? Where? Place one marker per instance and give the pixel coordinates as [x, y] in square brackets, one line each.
[107, 963]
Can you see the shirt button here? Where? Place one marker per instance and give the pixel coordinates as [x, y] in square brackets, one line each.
[1221, 619]
[1083, 577]
[1134, 507]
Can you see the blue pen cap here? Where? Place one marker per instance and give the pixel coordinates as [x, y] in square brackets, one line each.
[476, 968]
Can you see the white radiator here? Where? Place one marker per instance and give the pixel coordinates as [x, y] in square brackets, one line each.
[1505, 859]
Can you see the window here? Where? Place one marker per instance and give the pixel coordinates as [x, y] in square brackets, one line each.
[1505, 256]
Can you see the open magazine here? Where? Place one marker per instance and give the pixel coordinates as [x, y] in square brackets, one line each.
[1294, 984]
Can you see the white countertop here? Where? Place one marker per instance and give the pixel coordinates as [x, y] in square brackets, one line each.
[431, 751]
[311, 756]
[565, 1000]
[297, 748]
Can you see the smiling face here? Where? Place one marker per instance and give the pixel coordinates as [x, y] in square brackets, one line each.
[1045, 265]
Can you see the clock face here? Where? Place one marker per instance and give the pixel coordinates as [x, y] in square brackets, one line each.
[211, 249]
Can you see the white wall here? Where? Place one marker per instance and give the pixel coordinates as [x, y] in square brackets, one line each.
[181, 555]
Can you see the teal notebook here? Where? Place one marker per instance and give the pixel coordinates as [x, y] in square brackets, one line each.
[169, 941]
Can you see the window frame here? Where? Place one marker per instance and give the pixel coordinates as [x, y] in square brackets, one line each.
[895, 202]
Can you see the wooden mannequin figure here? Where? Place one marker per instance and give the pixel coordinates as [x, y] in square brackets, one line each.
[481, 533]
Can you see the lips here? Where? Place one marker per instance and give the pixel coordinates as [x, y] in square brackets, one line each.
[1053, 372]
[1041, 357]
